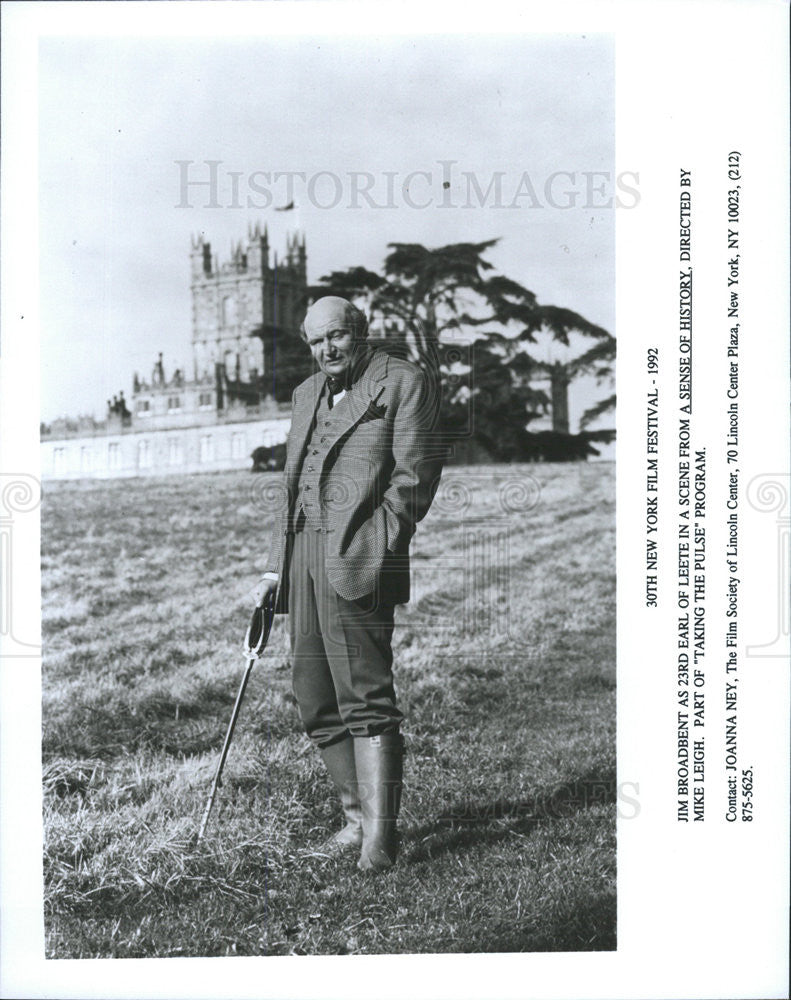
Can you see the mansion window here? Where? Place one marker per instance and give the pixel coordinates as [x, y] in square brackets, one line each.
[174, 404]
[114, 455]
[206, 448]
[229, 311]
[144, 407]
[175, 452]
[206, 400]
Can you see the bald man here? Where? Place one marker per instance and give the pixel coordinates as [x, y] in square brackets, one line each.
[362, 468]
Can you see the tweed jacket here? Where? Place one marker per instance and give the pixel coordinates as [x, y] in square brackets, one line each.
[380, 474]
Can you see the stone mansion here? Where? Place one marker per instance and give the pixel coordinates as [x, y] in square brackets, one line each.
[245, 315]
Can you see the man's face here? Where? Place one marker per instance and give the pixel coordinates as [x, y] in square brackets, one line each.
[332, 348]
[330, 333]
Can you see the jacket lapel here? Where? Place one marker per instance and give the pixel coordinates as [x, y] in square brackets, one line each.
[302, 418]
[360, 397]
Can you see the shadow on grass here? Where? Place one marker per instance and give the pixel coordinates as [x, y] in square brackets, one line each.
[584, 924]
[467, 824]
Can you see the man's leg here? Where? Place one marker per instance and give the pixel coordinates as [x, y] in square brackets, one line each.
[357, 639]
[379, 766]
[311, 678]
[315, 691]
[341, 766]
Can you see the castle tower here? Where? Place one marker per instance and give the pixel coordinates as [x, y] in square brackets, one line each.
[246, 347]
[243, 306]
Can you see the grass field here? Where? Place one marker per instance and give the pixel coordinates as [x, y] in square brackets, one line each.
[505, 669]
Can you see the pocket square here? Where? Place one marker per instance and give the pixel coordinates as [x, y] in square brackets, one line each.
[374, 412]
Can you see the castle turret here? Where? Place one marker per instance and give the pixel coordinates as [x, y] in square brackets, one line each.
[302, 259]
[257, 249]
[200, 257]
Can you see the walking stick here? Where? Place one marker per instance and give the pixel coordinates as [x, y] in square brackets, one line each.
[255, 643]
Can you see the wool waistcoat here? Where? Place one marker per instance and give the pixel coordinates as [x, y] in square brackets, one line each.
[314, 463]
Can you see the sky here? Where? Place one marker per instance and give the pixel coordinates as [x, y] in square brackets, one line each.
[118, 115]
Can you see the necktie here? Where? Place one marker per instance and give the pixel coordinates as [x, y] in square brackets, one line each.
[350, 376]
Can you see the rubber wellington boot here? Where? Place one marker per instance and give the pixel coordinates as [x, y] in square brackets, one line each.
[379, 762]
[339, 760]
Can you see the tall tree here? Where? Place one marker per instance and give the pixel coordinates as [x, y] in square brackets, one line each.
[428, 299]
[565, 347]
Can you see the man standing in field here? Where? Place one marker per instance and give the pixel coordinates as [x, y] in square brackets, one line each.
[362, 468]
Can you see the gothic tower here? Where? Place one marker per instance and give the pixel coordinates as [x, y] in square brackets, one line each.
[243, 308]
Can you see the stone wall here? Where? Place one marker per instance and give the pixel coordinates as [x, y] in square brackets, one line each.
[212, 447]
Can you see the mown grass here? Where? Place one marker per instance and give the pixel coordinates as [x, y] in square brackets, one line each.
[505, 668]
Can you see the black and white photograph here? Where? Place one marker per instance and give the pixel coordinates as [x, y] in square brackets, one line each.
[332, 374]
[329, 331]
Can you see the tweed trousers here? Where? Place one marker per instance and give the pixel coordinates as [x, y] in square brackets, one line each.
[341, 651]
